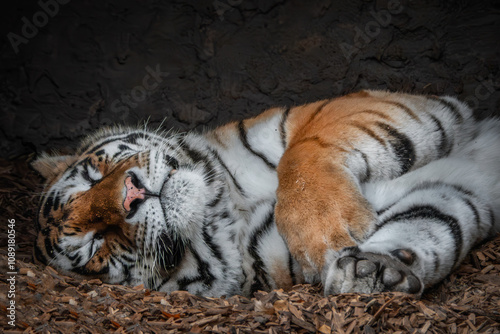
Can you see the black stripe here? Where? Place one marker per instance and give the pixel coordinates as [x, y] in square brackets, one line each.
[472, 207]
[402, 146]
[224, 215]
[127, 138]
[435, 261]
[125, 273]
[124, 147]
[38, 227]
[56, 246]
[290, 269]
[368, 172]
[244, 140]
[369, 132]
[72, 174]
[150, 284]
[235, 182]
[491, 216]
[47, 207]
[126, 258]
[125, 247]
[57, 200]
[450, 106]
[216, 199]
[444, 144]
[39, 254]
[316, 112]
[284, 118]
[320, 142]
[85, 173]
[204, 274]
[76, 261]
[209, 171]
[49, 222]
[48, 247]
[198, 157]
[405, 109]
[118, 154]
[214, 248]
[91, 248]
[117, 260]
[260, 280]
[353, 237]
[373, 112]
[427, 185]
[171, 161]
[429, 212]
[132, 138]
[433, 184]
[112, 260]
[195, 155]
[73, 257]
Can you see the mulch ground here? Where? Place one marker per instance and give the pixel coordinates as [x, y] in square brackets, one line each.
[468, 301]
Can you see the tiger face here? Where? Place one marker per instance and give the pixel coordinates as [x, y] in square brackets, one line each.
[124, 208]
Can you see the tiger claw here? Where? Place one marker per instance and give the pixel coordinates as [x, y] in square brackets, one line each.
[352, 270]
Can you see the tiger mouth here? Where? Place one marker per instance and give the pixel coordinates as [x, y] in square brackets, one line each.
[135, 194]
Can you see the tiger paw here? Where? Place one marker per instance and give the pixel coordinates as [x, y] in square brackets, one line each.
[352, 270]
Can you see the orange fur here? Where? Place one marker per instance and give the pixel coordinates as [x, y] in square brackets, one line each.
[319, 206]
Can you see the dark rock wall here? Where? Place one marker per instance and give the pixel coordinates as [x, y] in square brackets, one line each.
[69, 67]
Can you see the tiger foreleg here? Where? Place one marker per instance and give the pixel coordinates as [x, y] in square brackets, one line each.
[319, 207]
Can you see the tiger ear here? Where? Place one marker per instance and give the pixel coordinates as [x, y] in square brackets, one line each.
[51, 166]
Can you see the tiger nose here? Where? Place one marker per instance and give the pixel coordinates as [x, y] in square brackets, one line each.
[133, 193]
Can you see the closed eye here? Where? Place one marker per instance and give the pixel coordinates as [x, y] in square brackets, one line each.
[94, 245]
[93, 173]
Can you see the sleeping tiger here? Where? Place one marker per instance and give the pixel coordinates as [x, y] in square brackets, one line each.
[370, 192]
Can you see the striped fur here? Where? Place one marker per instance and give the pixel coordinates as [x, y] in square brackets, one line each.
[369, 192]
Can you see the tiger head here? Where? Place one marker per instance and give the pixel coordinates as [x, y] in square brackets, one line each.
[124, 208]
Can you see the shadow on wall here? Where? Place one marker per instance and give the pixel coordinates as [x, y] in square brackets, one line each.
[69, 67]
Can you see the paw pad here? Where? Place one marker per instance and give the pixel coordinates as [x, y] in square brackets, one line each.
[404, 255]
[365, 272]
[365, 268]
